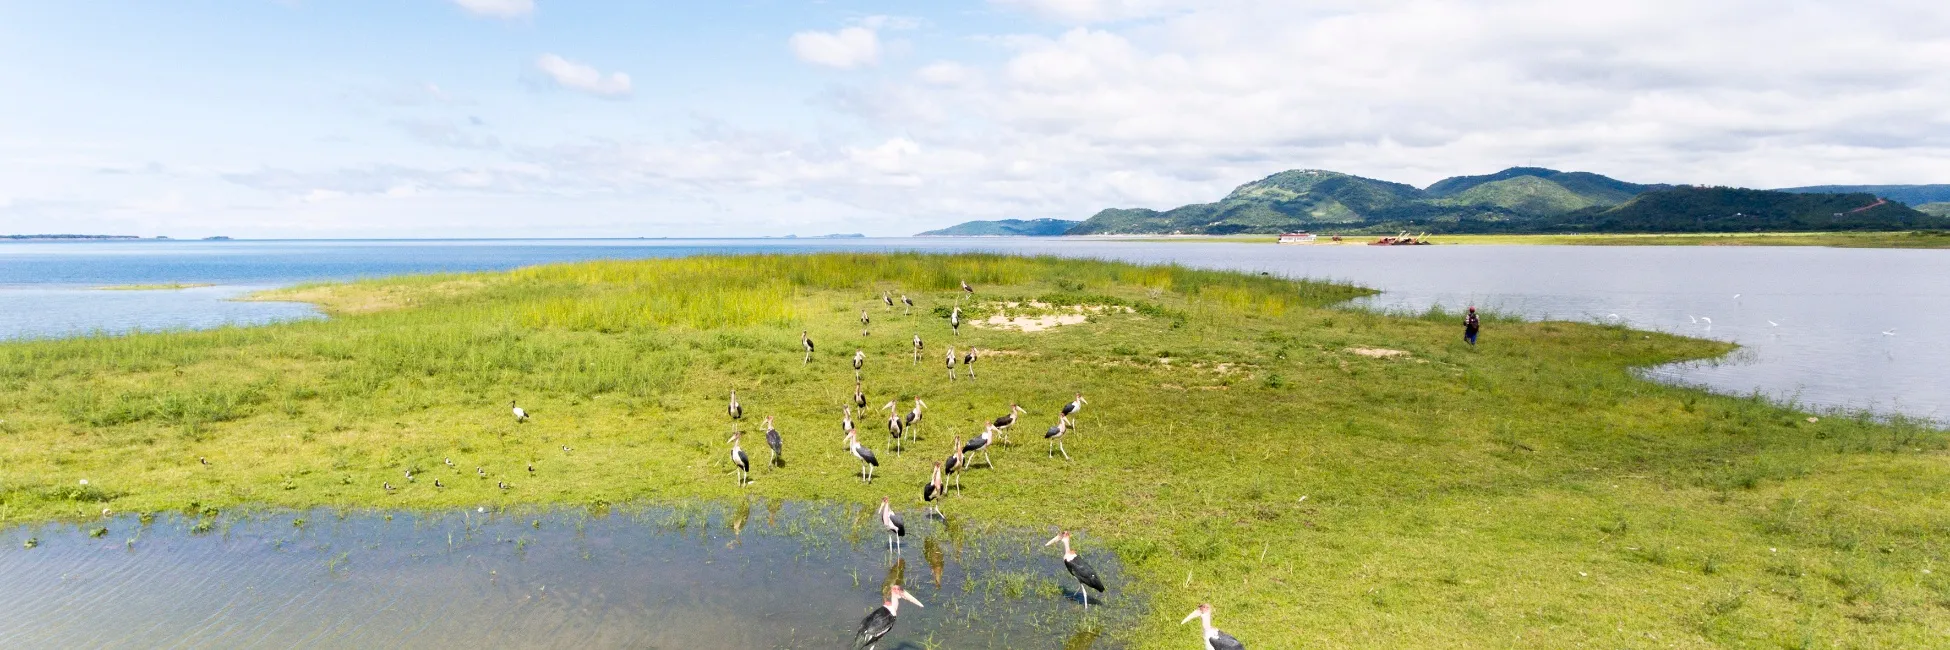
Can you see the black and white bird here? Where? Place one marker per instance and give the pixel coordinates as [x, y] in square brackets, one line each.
[388, 485]
[531, 468]
[981, 443]
[867, 461]
[968, 361]
[739, 459]
[914, 418]
[449, 461]
[846, 419]
[917, 348]
[734, 409]
[956, 461]
[894, 427]
[774, 441]
[1080, 569]
[934, 490]
[859, 394]
[954, 320]
[891, 522]
[1055, 436]
[1006, 421]
[520, 415]
[951, 363]
[966, 288]
[481, 472]
[1214, 639]
[864, 320]
[805, 340]
[881, 621]
[909, 303]
[502, 484]
[436, 484]
[887, 298]
[859, 361]
[1075, 405]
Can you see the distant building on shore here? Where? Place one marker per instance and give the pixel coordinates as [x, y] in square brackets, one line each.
[1302, 237]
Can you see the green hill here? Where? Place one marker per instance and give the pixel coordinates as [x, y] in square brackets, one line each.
[1727, 209]
[1941, 209]
[1914, 195]
[1005, 228]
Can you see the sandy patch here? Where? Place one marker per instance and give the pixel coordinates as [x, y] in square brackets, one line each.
[1038, 322]
[1378, 353]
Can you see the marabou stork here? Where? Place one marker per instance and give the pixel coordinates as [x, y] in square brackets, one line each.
[935, 489]
[775, 441]
[881, 621]
[1214, 639]
[964, 287]
[859, 394]
[806, 340]
[1009, 420]
[955, 462]
[951, 363]
[981, 443]
[914, 418]
[892, 523]
[954, 320]
[894, 427]
[846, 419]
[1074, 406]
[863, 321]
[1055, 436]
[917, 348]
[910, 304]
[739, 459]
[968, 361]
[859, 361]
[867, 461]
[520, 415]
[734, 409]
[1085, 574]
[887, 298]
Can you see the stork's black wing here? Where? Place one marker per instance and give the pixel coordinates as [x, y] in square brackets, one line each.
[744, 462]
[1053, 431]
[900, 526]
[911, 417]
[773, 440]
[975, 445]
[954, 463]
[874, 626]
[860, 400]
[866, 456]
[1224, 641]
[1004, 421]
[1085, 573]
[1069, 408]
[929, 492]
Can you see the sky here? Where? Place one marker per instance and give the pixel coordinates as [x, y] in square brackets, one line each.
[591, 118]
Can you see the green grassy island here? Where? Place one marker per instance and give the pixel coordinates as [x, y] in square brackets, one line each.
[1325, 477]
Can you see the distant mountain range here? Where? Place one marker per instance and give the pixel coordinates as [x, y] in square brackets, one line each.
[1519, 199]
[1006, 228]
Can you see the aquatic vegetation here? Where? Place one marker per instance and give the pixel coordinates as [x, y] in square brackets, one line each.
[1237, 448]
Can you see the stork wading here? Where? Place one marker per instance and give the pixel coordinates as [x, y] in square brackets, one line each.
[1079, 568]
[935, 490]
[881, 621]
[891, 522]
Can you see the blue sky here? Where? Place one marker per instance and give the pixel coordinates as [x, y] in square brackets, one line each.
[508, 118]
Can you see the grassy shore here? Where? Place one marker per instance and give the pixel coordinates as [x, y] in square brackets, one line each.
[1326, 478]
[1921, 239]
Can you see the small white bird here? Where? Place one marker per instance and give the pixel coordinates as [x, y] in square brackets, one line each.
[1889, 332]
[1708, 321]
[520, 415]
[1773, 324]
[1690, 317]
[1736, 296]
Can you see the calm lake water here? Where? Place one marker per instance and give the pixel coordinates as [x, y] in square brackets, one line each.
[1853, 328]
[758, 575]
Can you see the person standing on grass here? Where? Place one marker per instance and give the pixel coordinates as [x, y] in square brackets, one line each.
[1470, 326]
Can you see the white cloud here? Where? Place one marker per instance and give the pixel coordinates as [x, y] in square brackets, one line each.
[848, 48]
[498, 8]
[577, 76]
[1089, 11]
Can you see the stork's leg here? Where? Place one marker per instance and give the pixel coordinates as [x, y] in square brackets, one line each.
[1066, 452]
[987, 460]
[1086, 595]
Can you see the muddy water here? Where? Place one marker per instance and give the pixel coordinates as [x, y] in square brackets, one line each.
[757, 575]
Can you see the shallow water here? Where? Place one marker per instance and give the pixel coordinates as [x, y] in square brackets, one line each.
[760, 575]
[1812, 320]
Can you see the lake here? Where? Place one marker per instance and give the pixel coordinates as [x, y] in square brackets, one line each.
[1825, 327]
[759, 574]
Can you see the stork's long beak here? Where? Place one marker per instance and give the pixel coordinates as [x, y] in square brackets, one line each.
[1189, 617]
[1053, 540]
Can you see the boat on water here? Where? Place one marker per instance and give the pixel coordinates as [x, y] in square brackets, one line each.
[1302, 237]
[1403, 239]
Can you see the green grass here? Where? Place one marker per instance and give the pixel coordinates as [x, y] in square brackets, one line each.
[1530, 492]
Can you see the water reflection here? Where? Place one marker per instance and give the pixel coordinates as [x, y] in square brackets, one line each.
[685, 577]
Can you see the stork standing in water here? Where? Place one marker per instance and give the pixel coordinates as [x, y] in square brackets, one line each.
[894, 427]
[951, 363]
[908, 303]
[955, 463]
[934, 490]
[863, 321]
[734, 409]
[954, 320]
[1214, 639]
[775, 441]
[806, 340]
[867, 461]
[881, 621]
[859, 394]
[520, 415]
[968, 361]
[1085, 574]
[739, 459]
[859, 361]
[892, 523]
[917, 348]
[1055, 436]
[981, 443]
[914, 418]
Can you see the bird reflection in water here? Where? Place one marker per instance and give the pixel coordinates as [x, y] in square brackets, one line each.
[896, 576]
[931, 550]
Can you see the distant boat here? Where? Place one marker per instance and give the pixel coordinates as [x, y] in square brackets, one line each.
[1402, 240]
[1302, 237]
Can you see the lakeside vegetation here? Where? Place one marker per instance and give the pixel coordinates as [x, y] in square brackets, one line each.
[1324, 477]
[1914, 239]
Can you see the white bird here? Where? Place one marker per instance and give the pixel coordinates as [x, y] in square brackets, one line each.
[1214, 639]
[1889, 332]
[1691, 318]
[805, 341]
[1736, 296]
[1709, 321]
[1773, 324]
[520, 415]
